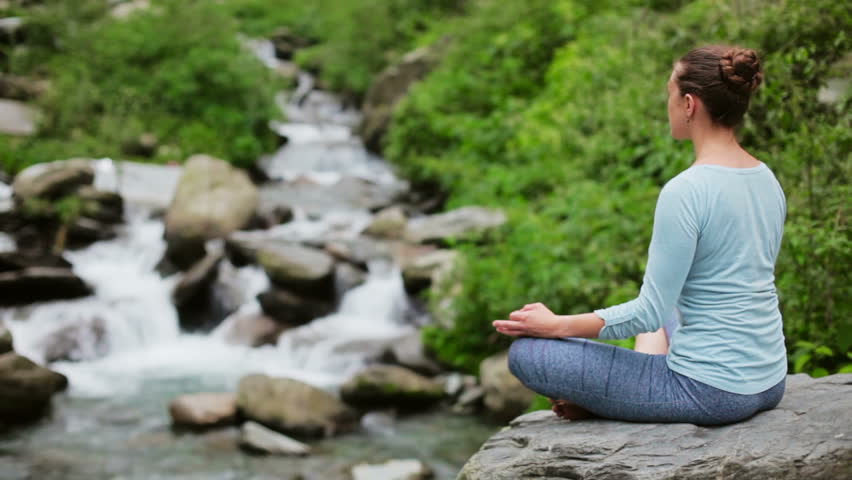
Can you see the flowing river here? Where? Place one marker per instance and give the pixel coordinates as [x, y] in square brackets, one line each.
[129, 357]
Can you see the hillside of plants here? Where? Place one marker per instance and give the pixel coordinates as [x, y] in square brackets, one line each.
[553, 110]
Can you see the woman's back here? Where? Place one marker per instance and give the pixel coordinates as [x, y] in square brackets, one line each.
[731, 334]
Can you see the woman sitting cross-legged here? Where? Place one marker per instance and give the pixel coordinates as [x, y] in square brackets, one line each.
[710, 346]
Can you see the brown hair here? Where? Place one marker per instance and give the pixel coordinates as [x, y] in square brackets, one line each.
[723, 78]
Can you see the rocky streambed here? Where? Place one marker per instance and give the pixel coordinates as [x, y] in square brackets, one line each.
[190, 316]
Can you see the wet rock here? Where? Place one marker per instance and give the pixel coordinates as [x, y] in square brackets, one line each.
[465, 222]
[389, 385]
[347, 277]
[425, 270]
[388, 223]
[286, 43]
[349, 193]
[101, 205]
[505, 396]
[393, 470]
[199, 277]
[293, 407]
[358, 251]
[54, 179]
[409, 352]
[82, 340]
[389, 87]
[13, 261]
[38, 284]
[21, 88]
[203, 410]
[12, 29]
[806, 436]
[124, 10]
[257, 438]
[6, 344]
[85, 231]
[253, 330]
[212, 200]
[145, 145]
[301, 269]
[293, 310]
[25, 388]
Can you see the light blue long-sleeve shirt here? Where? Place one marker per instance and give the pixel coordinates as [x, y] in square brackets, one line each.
[717, 232]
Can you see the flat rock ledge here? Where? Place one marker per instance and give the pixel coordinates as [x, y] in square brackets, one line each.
[809, 435]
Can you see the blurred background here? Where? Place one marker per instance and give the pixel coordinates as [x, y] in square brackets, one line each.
[225, 221]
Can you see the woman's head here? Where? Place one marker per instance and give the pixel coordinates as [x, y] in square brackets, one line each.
[712, 85]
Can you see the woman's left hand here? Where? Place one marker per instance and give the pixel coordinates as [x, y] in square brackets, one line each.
[534, 320]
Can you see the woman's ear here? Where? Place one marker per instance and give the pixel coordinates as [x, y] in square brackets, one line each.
[690, 105]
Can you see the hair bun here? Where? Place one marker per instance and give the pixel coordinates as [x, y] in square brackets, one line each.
[740, 69]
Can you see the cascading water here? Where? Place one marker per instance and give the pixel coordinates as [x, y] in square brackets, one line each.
[126, 357]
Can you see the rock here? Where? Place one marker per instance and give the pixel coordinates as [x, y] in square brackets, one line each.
[17, 118]
[199, 277]
[21, 88]
[464, 222]
[82, 340]
[102, 205]
[389, 385]
[286, 43]
[505, 396]
[6, 344]
[85, 231]
[257, 438]
[253, 330]
[204, 410]
[293, 407]
[349, 193]
[14, 261]
[25, 388]
[428, 269]
[389, 87]
[347, 277]
[36, 284]
[302, 269]
[806, 436]
[358, 251]
[54, 179]
[392, 470]
[11, 29]
[409, 352]
[293, 310]
[124, 10]
[212, 200]
[388, 223]
[144, 145]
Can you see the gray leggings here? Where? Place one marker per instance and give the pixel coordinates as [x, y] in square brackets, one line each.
[621, 384]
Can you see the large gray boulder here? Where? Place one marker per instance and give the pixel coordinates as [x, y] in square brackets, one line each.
[25, 388]
[809, 435]
[302, 269]
[293, 407]
[36, 284]
[425, 270]
[203, 410]
[465, 222]
[505, 396]
[291, 310]
[212, 200]
[54, 179]
[380, 386]
[17, 118]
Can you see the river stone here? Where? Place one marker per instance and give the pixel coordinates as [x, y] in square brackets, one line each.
[388, 223]
[460, 223]
[409, 352]
[6, 344]
[380, 386]
[257, 438]
[293, 407]
[197, 278]
[505, 396]
[203, 410]
[809, 435]
[54, 179]
[212, 200]
[252, 330]
[17, 118]
[35, 284]
[427, 269]
[392, 470]
[25, 388]
[293, 310]
[102, 205]
[349, 193]
[302, 269]
[84, 339]
[13, 261]
[347, 277]
[16, 87]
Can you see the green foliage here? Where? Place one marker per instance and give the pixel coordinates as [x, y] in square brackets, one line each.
[177, 70]
[555, 112]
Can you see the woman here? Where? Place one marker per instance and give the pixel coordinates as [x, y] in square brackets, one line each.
[710, 346]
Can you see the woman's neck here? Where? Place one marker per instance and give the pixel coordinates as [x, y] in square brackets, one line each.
[719, 146]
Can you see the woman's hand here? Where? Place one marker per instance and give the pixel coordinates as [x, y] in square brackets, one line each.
[534, 320]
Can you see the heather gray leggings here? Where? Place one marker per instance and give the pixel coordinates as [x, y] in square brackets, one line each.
[621, 384]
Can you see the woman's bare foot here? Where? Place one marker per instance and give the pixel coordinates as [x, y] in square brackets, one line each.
[569, 410]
